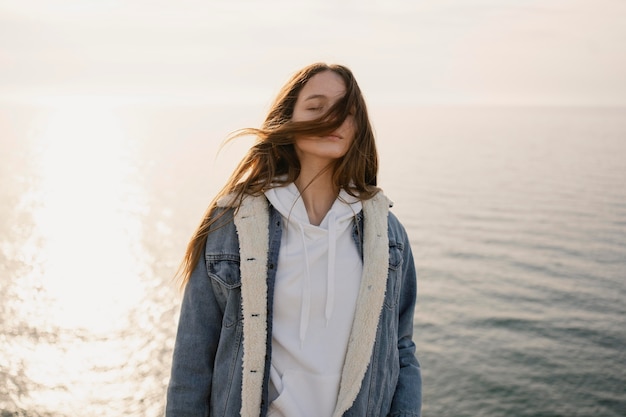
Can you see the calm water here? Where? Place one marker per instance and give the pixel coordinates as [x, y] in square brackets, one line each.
[517, 217]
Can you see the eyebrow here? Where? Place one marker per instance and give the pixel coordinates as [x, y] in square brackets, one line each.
[314, 96]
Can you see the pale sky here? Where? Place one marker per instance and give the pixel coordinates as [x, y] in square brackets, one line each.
[402, 51]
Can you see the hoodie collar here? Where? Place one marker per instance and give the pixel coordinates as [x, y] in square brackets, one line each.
[288, 201]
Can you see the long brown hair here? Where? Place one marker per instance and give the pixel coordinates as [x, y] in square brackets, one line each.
[272, 160]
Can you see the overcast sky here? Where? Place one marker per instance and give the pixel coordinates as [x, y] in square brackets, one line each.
[430, 51]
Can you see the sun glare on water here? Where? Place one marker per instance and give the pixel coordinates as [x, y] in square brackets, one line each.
[88, 217]
[87, 259]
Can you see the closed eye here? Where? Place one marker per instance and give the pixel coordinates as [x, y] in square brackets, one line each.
[315, 108]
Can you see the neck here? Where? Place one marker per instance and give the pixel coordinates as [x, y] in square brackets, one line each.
[318, 193]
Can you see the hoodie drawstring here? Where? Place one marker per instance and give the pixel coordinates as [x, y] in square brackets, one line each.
[305, 308]
[330, 280]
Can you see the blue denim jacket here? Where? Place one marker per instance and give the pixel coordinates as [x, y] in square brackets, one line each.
[223, 346]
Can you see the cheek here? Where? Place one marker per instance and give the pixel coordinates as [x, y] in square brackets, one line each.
[349, 129]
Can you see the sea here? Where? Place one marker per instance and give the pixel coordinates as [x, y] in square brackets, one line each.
[516, 215]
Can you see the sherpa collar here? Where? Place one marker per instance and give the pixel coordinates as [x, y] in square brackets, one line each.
[252, 224]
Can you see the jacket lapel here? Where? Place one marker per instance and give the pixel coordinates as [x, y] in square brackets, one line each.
[252, 223]
[370, 301]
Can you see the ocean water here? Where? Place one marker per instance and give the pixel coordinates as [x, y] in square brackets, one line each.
[517, 217]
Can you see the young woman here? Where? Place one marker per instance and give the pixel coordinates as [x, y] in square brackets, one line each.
[299, 283]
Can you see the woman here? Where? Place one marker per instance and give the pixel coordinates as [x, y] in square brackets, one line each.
[299, 284]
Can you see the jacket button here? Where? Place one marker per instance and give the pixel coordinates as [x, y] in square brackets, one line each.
[271, 266]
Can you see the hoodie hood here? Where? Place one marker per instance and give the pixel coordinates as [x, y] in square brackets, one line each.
[289, 204]
[310, 241]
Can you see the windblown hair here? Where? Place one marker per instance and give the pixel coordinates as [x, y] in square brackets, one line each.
[272, 160]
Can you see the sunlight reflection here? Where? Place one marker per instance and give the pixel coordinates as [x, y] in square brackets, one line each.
[86, 265]
[85, 219]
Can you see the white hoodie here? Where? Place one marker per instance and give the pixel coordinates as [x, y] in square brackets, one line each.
[317, 283]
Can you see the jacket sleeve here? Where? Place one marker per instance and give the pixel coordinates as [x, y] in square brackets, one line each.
[407, 400]
[197, 338]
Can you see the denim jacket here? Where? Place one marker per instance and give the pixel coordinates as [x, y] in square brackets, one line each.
[222, 353]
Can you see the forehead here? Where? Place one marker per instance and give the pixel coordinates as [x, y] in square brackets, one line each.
[326, 84]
